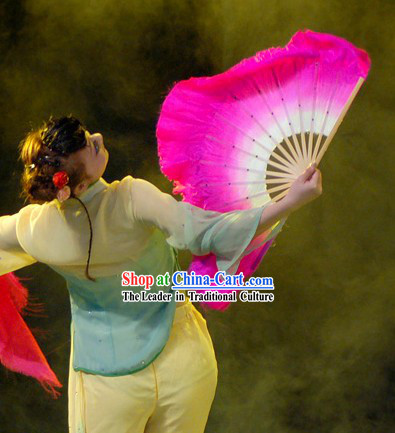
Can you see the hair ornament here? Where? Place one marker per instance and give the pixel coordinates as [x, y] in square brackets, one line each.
[47, 159]
[60, 179]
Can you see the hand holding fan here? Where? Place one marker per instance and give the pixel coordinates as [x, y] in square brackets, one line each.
[239, 139]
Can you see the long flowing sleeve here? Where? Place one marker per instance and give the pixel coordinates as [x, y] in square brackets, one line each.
[12, 256]
[228, 235]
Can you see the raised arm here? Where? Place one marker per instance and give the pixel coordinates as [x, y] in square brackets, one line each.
[227, 235]
[304, 189]
[12, 256]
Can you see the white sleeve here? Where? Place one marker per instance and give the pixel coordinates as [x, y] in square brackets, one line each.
[12, 256]
[227, 235]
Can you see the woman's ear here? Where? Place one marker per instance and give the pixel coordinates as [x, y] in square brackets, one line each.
[64, 193]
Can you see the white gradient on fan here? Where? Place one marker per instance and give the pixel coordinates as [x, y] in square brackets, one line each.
[252, 184]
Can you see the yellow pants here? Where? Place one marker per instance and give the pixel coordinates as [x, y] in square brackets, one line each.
[173, 394]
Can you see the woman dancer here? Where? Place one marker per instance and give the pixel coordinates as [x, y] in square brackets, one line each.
[134, 366]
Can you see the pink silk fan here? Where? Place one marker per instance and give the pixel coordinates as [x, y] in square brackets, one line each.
[238, 140]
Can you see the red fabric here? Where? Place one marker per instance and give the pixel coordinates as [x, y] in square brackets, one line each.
[19, 350]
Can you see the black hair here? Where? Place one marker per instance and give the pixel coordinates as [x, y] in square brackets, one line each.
[44, 152]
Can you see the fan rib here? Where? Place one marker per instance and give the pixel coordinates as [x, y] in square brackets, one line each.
[327, 111]
[292, 160]
[277, 174]
[248, 197]
[294, 138]
[282, 180]
[340, 119]
[205, 162]
[212, 138]
[311, 134]
[294, 155]
[302, 131]
[224, 183]
[288, 165]
[279, 166]
[278, 157]
[280, 187]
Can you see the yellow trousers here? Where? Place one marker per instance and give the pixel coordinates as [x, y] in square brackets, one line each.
[173, 394]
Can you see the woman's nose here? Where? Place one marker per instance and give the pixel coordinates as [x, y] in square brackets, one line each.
[98, 136]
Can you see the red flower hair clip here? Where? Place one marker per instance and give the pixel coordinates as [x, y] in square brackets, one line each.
[60, 179]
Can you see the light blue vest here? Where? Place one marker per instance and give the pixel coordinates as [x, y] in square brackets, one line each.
[115, 338]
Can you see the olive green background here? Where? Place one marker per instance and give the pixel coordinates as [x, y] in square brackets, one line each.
[320, 358]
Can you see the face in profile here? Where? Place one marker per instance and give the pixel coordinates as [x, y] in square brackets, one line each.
[94, 156]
